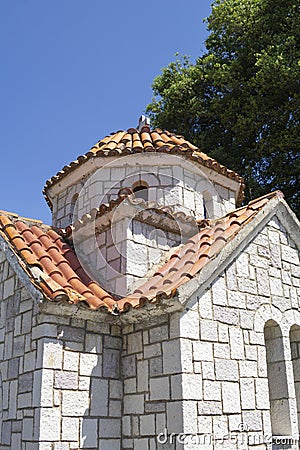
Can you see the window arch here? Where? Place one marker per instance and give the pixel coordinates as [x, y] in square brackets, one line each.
[277, 380]
[140, 190]
[72, 205]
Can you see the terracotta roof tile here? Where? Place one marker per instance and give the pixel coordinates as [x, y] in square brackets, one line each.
[147, 140]
[62, 276]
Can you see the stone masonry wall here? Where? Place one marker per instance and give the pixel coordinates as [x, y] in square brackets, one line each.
[213, 356]
[61, 387]
[168, 185]
[125, 253]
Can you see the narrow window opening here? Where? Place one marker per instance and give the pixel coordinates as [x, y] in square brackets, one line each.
[141, 191]
[72, 206]
[277, 380]
[295, 352]
[208, 206]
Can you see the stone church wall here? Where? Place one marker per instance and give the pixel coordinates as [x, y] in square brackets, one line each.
[213, 356]
[60, 376]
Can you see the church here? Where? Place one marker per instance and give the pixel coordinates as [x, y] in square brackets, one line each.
[158, 311]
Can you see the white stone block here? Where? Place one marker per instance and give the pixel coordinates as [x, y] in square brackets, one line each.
[226, 370]
[219, 292]
[71, 360]
[70, 428]
[49, 424]
[205, 305]
[236, 341]
[231, 397]
[88, 363]
[52, 354]
[247, 393]
[211, 390]
[75, 403]
[262, 393]
[209, 330]
[236, 299]
[189, 325]
[203, 351]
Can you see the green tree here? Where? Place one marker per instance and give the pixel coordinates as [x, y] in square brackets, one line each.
[240, 101]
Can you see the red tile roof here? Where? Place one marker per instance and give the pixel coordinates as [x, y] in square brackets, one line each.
[62, 276]
[133, 141]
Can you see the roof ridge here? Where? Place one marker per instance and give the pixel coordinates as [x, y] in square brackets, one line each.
[22, 218]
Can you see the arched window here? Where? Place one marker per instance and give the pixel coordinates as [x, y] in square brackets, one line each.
[140, 190]
[295, 352]
[72, 205]
[208, 206]
[277, 380]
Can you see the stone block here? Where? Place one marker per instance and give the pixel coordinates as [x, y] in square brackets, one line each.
[75, 403]
[13, 368]
[172, 357]
[219, 292]
[247, 393]
[159, 388]
[70, 428]
[209, 330]
[153, 350]
[52, 354]
[155, 367]
[109, 444]
[71, 360]
[134, 343]
[49, 427]
[142, 376]
[205, 305]
[231, 397]
[90, 364]
[134, 404]
[174, 417]
[236, 341]
[129, 366]
[211, 390]
[203, 351]
[66, 380]
[226, 315]
[25, 383]
[159, 334]
[89, 433]
[147, 425]
[226, 370]
[99, 397]
[262, 393]
[73, 334]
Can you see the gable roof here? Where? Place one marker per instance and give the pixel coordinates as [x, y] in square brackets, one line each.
[134, 141]
[55, 270]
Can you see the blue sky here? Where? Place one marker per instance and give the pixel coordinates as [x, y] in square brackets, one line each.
[72, 71]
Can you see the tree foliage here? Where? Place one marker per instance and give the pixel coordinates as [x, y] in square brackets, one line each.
[240, 101]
